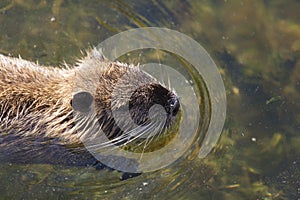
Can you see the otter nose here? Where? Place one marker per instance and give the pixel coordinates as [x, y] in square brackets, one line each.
[174, 105]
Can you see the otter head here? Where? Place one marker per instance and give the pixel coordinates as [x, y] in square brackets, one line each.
[125, 99]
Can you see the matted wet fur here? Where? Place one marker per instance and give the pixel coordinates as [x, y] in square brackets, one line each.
[37, 106]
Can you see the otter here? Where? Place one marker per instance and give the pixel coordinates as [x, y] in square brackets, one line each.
[41, 108]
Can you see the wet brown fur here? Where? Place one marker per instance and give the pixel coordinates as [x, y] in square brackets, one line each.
[35, 100]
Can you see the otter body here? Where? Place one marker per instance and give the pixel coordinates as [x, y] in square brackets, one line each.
[38, 106]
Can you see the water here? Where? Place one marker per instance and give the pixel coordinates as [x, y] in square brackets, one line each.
[256, 46]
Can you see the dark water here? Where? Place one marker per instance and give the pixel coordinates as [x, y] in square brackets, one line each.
[255, 44]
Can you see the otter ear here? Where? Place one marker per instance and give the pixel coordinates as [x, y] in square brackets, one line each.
[82, 101]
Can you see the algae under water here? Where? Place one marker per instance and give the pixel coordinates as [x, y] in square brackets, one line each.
[256, 46]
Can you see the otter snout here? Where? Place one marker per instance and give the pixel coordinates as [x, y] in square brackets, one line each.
[173, 105]
[149, 95]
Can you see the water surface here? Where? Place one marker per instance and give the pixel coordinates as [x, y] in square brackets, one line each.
[256, 46]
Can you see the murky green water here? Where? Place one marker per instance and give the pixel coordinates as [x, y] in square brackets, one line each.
[256, 45]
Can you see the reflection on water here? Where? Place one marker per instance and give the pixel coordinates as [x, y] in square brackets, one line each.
[256, 45]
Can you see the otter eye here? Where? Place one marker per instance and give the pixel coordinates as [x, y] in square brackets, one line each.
[82, 101]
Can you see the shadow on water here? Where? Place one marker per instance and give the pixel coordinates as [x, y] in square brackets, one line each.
[256, 46]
